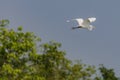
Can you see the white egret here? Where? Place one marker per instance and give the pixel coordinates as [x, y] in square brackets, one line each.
[84, 23]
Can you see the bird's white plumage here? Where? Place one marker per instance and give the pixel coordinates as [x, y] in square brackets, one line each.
[80, 21]
[92, 19]
[85, 23]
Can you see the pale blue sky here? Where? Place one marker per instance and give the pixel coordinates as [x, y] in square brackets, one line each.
[47, 19]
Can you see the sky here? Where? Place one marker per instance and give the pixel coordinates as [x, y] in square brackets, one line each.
[47, 19]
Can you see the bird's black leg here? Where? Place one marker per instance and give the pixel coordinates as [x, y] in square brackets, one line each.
[76, 27]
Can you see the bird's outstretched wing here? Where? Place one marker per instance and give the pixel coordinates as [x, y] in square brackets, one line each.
[80, 21]
[92, 19]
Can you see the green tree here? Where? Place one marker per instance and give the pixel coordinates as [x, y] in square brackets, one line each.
[107, 74]
[58, 67]
[15, 46]
[4, 23]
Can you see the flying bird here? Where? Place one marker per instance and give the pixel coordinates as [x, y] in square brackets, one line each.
[85, 24]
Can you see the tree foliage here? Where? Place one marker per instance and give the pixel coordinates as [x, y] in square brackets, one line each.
[24, 57]
[4, 22]
[107, 74]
